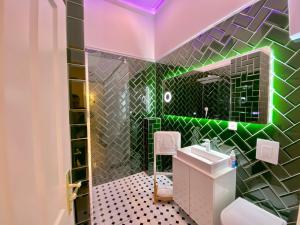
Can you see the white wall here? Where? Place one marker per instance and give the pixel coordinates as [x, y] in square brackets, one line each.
[179, 21]
[111, 28]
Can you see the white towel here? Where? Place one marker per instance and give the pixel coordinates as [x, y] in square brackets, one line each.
[166, 142]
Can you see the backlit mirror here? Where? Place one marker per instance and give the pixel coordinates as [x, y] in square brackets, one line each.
[236, 89]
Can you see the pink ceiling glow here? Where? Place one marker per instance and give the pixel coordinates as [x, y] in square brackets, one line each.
[150, 6]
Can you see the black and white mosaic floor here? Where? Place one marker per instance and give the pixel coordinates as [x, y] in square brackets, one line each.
[129, 201]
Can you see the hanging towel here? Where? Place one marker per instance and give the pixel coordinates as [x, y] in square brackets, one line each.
[166, 142]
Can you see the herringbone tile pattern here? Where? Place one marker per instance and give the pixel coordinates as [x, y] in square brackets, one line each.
[117, 112]
[188, 91]
[275, 188]
[142, 104]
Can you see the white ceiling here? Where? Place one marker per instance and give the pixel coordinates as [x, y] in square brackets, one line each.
[145, 6]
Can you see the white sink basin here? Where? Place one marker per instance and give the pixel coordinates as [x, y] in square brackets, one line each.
[210, 156]
[209, 161]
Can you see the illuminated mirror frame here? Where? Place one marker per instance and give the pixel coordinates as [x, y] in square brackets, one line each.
[227, 61]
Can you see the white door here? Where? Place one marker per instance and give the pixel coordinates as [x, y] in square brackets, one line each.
[34, 122]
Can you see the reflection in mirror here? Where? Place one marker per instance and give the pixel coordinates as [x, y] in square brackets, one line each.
[235, 89]
[168, 96]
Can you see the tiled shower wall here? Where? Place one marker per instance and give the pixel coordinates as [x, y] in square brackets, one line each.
[250, 88]
[181, 87]
[188, 91]
[275, 188]
[122, 92]
[216, 96]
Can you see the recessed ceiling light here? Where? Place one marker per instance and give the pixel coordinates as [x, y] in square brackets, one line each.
[149, 6]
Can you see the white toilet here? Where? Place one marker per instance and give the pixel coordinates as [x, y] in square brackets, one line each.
[242, 212]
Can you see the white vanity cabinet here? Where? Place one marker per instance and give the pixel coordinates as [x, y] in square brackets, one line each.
[181, 190]
[202, 195]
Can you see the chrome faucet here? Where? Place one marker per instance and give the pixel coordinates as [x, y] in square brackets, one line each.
[206, 144]
[214, 143]
[211, 144]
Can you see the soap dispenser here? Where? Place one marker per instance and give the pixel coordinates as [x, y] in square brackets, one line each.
[232, 160]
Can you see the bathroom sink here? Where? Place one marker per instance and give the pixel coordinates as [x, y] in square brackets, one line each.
[210, 162]
[210, 156]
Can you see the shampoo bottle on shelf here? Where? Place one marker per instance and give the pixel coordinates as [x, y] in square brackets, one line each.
[232, 159]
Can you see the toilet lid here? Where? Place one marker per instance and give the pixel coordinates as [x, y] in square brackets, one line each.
[242, 212]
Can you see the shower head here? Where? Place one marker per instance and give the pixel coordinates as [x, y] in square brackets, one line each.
[123, 59]
[206, 111]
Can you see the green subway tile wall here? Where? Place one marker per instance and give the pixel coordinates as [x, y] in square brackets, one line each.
[142, 89]
[78, 108]
[265, 24]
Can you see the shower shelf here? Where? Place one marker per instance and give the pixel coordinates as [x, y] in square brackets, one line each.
[80, 167]
[78, 139]
[82, 195]
[84, 180]
[84, 222]
[77, 80]
[78, 110]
